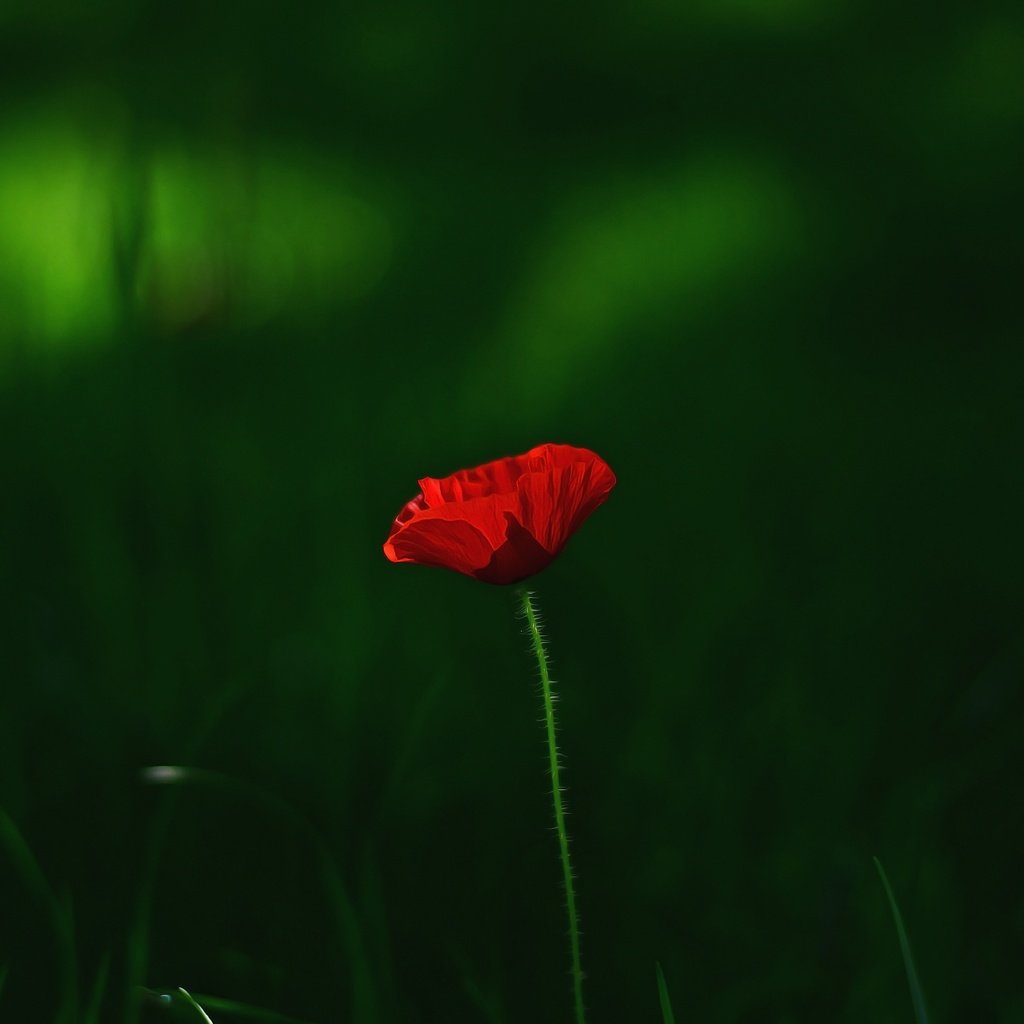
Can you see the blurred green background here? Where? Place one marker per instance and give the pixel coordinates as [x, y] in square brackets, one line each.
[261, 268]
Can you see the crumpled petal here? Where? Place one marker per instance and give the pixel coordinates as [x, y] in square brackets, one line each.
[498, 477]
[505, 520]
[451, 544]
[519, 557]
[554, 504]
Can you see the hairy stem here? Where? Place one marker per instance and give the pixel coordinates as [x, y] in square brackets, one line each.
[533, 628]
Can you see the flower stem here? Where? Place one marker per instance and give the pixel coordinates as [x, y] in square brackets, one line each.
[533, 627]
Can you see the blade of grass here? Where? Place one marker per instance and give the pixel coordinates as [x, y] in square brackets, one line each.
[427, 700]
[480, 1000]
[137, 945]
[34, 880]
[92, 1012]
[376, 931]
[666, 1004]
[488, 1003]
[364, 998]
[247, 1012]
[916, 994]
[195, 1006]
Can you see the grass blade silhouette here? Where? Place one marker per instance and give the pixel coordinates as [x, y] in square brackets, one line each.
[363, 1007]
[666, 1004]
[99, 989]
[137, 945]
[61, 923]
[916, 994]
[199, 1003]
[244, 1011]
[195, 1006]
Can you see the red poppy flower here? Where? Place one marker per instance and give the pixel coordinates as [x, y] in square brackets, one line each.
[504, 520]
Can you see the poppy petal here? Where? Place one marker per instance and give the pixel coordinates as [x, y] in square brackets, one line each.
[498, 477]
[409, 509]
[520, 556]
[555, 456]
[452, 544]
[486, 514]
[596, 488]
[505, 520]
[555, 503]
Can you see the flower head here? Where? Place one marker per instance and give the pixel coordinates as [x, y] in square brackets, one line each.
[504, 520]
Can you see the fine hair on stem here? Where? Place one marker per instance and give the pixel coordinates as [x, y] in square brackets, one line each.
[533, 629]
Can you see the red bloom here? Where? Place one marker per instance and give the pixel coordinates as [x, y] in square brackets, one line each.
[504, 520]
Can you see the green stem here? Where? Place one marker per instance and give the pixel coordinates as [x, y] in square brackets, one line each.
[533, 626]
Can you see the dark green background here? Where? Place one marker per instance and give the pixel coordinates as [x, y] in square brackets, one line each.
[261, 268]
